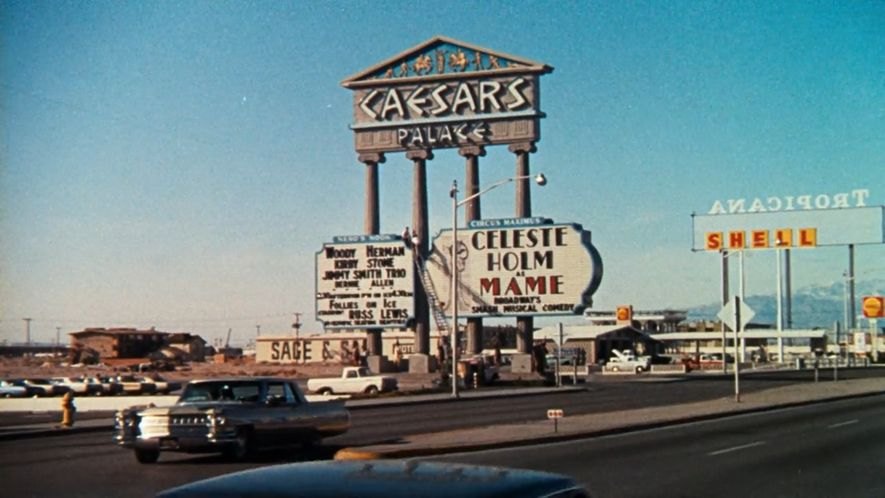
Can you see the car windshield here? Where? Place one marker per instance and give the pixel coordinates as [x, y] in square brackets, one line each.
[221, 391]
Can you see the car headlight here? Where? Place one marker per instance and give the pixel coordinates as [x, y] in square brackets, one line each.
[215, 418]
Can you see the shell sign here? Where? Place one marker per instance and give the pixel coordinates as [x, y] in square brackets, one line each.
[873, 306]
[516, 267]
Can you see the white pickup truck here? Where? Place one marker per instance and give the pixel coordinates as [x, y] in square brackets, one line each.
[353, 380]
[627, 362]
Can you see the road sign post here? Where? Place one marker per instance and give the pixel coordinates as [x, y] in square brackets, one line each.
[736, 314]
[555, 414]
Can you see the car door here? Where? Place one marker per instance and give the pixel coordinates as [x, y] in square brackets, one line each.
[284, 407]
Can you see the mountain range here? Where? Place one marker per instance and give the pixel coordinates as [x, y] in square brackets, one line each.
[813, 307]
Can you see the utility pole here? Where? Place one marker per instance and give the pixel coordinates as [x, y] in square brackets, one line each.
[297, 324]
[27, 331]
[57, 337]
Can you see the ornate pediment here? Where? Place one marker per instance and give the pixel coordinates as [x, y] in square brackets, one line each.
[442, 57]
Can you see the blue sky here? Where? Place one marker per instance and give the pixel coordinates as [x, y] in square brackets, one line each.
[178, 164]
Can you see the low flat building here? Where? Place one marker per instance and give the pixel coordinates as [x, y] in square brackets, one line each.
[598, 341]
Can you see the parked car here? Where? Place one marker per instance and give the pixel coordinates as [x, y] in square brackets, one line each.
[627, 362]
[105, 386]
[353, 380]
[161, 385]
[478, 370]
[382, 478]
[234, 416]
[42, 387]
[717, 357]
[133, 385]
[77, 385]
[10, 389]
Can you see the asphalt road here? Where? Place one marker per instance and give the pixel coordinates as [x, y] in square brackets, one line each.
[91, 465]
[374, 425]
[826, 450]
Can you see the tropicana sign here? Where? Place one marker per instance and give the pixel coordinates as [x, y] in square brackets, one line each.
[855, 198]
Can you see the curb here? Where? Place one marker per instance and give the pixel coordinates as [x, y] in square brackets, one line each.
[52, 432]
[444, 398]
[360, 454]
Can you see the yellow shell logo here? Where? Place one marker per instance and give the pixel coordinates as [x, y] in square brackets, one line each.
[873, 306]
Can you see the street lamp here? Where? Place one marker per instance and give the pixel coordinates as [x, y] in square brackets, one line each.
[541, 180]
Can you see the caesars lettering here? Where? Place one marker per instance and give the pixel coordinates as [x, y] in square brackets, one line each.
[464, 98]
[429, 136]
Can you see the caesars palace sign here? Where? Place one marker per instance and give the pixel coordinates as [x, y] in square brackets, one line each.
[445, 93]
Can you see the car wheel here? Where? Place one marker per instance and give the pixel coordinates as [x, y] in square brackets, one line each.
[616, 369]
[147, 456]
[639, 370]
[312, 442]
[372, 390]
[325, 391]
[241, 448]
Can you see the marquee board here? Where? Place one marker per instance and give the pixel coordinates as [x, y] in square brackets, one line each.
[365, 281]
[516, 267]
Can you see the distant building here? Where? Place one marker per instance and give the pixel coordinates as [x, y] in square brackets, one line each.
[598, 341]
[193, 346]
[134, 343]
[665, 320]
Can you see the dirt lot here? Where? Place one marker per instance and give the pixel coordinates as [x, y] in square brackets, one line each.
[11, 368]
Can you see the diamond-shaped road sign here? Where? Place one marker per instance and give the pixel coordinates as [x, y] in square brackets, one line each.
[726, 314]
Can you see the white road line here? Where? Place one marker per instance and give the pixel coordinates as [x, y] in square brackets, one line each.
[843, 424]
[736, 448]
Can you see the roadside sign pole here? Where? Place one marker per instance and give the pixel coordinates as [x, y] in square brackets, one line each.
[559, 359]
[555, 414]
[737, 364]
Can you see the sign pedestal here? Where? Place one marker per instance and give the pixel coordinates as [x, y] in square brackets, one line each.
[521, 363]
[421, 363]
[375, 363]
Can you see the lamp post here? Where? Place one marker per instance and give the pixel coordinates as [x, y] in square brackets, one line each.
[541, 180]
[779, 244]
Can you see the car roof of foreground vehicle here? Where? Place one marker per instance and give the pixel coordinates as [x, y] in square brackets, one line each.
[241, 379]
[381, 478]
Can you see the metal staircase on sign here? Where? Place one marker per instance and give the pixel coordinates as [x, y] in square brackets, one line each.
[432, 298]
